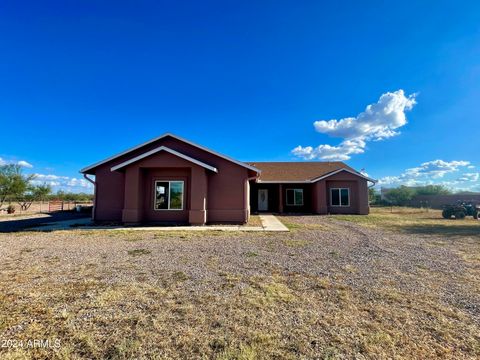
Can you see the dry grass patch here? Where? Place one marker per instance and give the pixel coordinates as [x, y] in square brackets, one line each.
[297, 226]
[260, 317]
[295, 242]
[411, 220]
[241, 296]
[254, 221]
[265, 292]
[138, 252]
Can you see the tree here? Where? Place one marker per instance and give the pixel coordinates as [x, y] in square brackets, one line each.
[33, 193]
[401, 195]
[41, 192]
[64, 196]
[373, 196]
[12, 183]
[433, 190]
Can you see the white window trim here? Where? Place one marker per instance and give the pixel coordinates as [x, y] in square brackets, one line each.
[286, 197]
[340, 197]
[169, 190]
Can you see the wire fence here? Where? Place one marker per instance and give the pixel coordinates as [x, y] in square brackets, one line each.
[45, 207]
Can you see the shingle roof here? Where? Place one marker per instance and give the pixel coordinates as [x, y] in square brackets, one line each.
[297, 171]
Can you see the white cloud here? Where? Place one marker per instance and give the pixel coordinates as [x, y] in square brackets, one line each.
[436, 168]
[57, 182]
[50, 177]
[65, 183]
[471, 167]
[21, 163]
[379, 121]
[74, 182]
[394, 181]
[45, 182]
[332, 153]
[436, 172]
[25, 164]
[469, 177]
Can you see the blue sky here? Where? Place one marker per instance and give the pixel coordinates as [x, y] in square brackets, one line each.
[82, 80]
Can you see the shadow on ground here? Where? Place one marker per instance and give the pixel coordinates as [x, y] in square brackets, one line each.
[15, 225]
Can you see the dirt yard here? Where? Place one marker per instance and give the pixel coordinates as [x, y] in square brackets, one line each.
[390, 285]
[38, 207]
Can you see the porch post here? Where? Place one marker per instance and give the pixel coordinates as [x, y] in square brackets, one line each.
[132, 209]
[280, 198]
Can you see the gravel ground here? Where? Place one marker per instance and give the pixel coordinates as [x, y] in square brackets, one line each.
[412, 271]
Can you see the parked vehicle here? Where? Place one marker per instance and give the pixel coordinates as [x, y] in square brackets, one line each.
[460, 210]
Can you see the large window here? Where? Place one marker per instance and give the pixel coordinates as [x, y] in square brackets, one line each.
[294, 197]
[168, 195]
[340, 197]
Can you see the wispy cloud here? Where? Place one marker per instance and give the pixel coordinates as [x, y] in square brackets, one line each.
[438, 172]
[469, 177]
[436, 168]
[379, 121]
[25, 164]
[66, 183]
[21, 163]
[57, 182]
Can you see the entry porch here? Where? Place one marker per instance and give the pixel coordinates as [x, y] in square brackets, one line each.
[344, 194]
[281, 198]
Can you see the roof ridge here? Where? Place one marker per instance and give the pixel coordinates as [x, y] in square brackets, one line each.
[299, 162]
[201, 147]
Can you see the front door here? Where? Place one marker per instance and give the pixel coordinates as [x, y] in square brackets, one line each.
[262, 199]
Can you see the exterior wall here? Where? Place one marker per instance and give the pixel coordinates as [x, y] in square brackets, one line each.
[227, 201]
[358, 193]
[316, 195]
[109, 200]
[118, 192]
[319, 194]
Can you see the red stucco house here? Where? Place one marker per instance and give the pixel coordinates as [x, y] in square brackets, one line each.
[172, 180]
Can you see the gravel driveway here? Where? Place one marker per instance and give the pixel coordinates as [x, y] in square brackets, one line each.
[20, 223]
[327, 288]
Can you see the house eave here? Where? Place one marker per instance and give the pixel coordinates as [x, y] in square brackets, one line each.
[166, 149]
[284, 182]
[340, 170]
[314, 180]
[93, 166]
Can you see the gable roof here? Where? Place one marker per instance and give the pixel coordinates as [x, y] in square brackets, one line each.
[250, 167]
[302, 172]
[166, 149]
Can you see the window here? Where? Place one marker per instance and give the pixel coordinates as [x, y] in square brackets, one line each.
[168, 195]
[340, 197]
[295, 197]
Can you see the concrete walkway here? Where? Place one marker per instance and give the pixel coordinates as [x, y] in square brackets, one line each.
[269, 223]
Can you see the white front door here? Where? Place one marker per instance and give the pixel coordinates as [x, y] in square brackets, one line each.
[262, 199]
